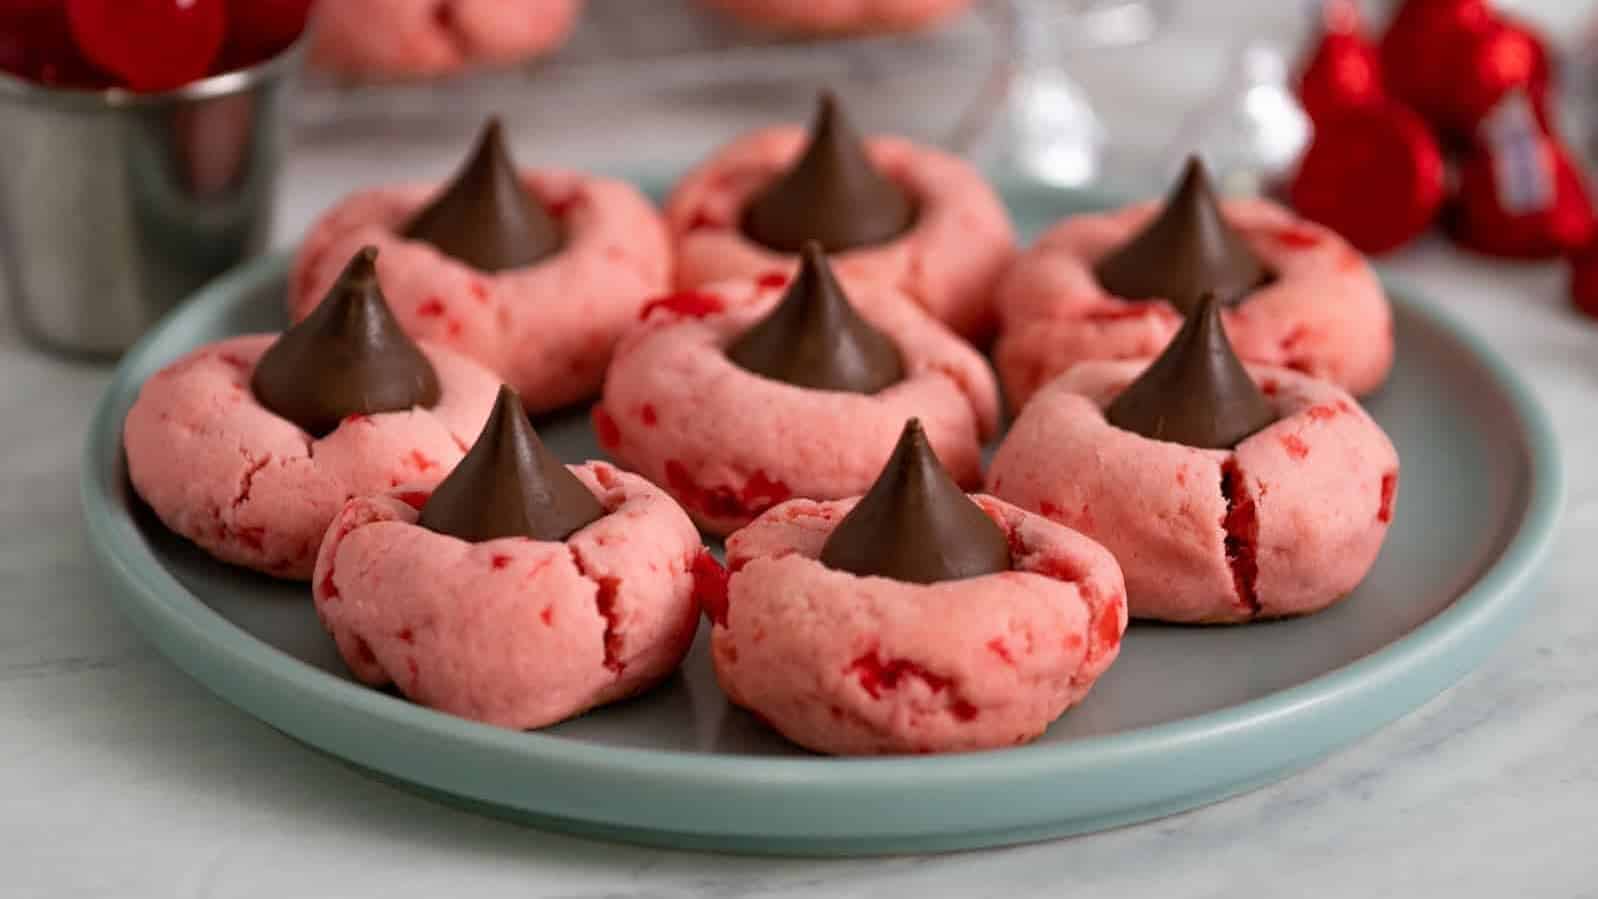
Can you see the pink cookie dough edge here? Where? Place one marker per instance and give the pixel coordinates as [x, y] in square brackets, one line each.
[253, 489]
[1326, 315]
[548, 329]
[1286, 524]
[851, 666]
[389, 39]
[513, 632]
[949, 262]
[728, 444]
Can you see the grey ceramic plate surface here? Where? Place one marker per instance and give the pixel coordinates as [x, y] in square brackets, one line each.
[1186, 716]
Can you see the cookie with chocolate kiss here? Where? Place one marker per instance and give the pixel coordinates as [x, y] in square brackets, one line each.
[814, 338]
[347, 357]
[1197, 392]
[510, 485]
[485, 217]
[916, 525]
[1186, 251]
[833, 194]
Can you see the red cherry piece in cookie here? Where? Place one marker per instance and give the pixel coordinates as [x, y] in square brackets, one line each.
[1374, 176]
[686, 303]
[710, 586]
[605, 428]
[153, 45]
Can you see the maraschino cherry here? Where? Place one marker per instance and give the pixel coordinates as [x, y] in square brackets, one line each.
[261, 29]
[36, 44]
[152, 45]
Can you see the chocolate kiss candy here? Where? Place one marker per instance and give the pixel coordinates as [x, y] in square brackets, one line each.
[348, 357]
[833, 194]
[485, 217]
[815, 339]
[1188, 250]
[916, 525]
[1197, 392]
[509, 485]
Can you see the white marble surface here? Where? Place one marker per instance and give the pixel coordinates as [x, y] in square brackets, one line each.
[119, 777]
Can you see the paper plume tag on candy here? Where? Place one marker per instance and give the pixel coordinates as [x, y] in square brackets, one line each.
[1521, 174]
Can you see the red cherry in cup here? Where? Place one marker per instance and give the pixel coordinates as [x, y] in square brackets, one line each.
[152, 45]
[36, 44]
[9, 8]
[261, 29]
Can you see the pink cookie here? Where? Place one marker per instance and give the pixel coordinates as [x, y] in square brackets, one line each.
[1325, 314]
[411, 38]
[1286, 524]
[513, 632]
[948, 262]
[729, 444]
[547, 329]
[842, 16]
[850, 665]
[251, 487]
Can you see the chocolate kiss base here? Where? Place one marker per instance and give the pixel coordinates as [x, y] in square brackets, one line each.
[833, 194]
[348, 357]
[510, 485]
[485, 217]
[814, 338]
[1197, 392]
[1186, 251]
[916, 525]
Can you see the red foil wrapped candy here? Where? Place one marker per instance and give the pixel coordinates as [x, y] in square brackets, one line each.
[1373, 175]
[1520, 195]
[1343, 71]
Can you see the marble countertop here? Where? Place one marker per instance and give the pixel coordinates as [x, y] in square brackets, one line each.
[120, 777]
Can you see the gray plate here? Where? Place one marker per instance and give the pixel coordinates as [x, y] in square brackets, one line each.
[1187, 715]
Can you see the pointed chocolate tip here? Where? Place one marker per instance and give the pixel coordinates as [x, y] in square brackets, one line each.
[510, 485]
[348, 357]
[814, 338]
[493, 134]
[485, 216]
[1187, 249]
[1197, 392]
[832, 193]
[827, 111]
[813, 257]
[915, 524]
[359, 275]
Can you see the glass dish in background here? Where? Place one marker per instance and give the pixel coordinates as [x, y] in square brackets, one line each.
[956, 85]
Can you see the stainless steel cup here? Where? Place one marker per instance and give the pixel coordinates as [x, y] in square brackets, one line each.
[115, 205]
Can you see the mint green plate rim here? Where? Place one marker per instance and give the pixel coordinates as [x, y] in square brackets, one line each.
[810, 806]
